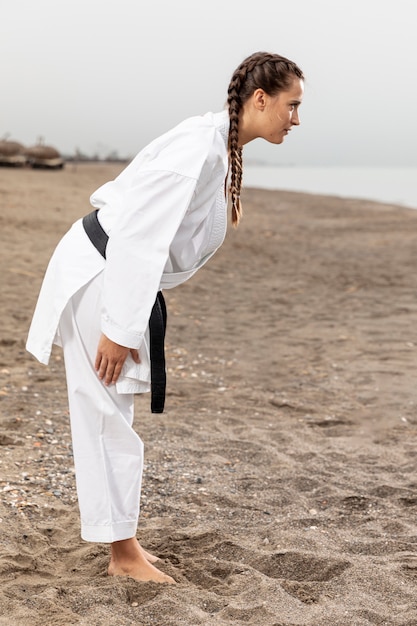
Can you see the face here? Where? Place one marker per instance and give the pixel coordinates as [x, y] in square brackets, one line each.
[278, 114]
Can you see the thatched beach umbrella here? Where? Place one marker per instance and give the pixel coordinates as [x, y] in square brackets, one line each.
[12, 153]
[44, 156]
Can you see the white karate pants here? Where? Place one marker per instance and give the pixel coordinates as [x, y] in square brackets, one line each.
[108, 454]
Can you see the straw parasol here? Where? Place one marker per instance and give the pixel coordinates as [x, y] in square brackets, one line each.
[44, 156]
[11, 153]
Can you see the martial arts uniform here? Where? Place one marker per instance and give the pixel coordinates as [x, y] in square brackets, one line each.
[165, 215]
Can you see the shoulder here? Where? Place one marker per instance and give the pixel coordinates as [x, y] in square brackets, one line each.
[188, 148]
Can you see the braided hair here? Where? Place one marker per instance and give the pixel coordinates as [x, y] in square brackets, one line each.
[262, 70]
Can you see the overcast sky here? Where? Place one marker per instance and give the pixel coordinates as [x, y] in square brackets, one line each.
[104, 75]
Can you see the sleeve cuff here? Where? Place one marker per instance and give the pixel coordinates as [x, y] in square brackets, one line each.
[129, 339]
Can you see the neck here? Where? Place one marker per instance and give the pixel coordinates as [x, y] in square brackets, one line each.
[246, 132]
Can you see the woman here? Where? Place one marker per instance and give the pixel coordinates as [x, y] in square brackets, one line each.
[155, 225]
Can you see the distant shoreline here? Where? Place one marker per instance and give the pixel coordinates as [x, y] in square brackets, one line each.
[395, 186]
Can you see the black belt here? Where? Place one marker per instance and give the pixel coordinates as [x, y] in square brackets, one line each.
[157, 321]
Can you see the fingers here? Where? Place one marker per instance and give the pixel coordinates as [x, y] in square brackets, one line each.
[109, 371]
[97, 363]
[135, 355]
[109, 360]
[113, 377]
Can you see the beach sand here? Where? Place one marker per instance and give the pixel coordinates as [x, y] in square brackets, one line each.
[280, 484]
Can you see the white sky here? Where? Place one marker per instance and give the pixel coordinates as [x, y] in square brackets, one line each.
[103, 75]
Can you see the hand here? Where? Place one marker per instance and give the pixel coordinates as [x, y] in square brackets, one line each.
[110, 359]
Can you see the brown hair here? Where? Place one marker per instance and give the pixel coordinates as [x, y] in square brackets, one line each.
[262, 70]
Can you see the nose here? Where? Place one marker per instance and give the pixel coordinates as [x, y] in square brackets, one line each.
[295, 119]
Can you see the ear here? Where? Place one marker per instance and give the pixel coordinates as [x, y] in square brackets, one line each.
[259, 97]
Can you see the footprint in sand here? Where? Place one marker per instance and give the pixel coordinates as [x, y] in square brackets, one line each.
[300, 566]
[300, 574]
[408, 563]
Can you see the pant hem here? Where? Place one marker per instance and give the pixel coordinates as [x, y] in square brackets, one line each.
[108, 534]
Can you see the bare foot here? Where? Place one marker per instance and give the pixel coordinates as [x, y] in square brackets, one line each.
[128, 559]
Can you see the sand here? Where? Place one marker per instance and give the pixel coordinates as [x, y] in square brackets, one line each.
[280, 485]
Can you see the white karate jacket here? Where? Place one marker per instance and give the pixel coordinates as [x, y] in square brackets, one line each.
[165, 215]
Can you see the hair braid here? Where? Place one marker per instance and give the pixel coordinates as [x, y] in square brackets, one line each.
[235, 154]
[270, 72]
